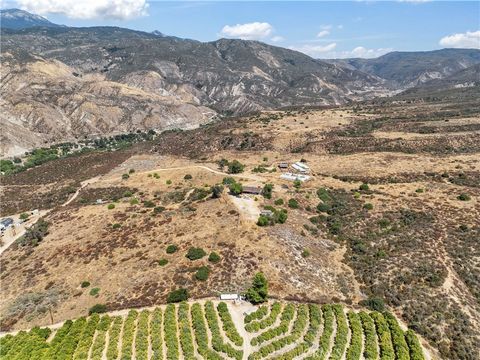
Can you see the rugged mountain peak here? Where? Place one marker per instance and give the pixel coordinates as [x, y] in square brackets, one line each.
[21, 19]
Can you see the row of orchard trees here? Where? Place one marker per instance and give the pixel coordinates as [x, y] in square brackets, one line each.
[279, 331]
[328, 332]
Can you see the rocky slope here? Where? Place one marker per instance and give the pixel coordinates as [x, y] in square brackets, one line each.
[45, 100]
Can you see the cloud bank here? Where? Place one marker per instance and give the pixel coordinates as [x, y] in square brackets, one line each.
[87, 9]
[470, 39]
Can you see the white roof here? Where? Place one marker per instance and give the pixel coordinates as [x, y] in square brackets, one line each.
[293, 177]
[302, 165]
[228, 296]
[299, 168]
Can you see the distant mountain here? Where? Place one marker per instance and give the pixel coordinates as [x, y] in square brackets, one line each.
[20, 19]
[403, 70]
[231, 76]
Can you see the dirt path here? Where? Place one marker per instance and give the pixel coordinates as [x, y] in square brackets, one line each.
[82, 186]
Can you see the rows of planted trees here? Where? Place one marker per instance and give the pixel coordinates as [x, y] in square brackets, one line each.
[211, 330]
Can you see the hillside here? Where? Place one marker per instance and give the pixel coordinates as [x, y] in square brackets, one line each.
[390, 213]
[217, 330]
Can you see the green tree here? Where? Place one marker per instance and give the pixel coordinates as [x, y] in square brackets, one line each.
[235, 167]
[267, 191]
[258, 292]
[236, 189]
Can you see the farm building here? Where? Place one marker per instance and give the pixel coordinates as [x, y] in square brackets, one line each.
[293, 177]
[255, 190]
[301, 167]
[5, 223]
[283, 165]
[229, 297]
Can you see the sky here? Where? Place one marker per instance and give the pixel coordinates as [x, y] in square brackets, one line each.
[321, 29]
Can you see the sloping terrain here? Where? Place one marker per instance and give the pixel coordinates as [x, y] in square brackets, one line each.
[390, 215]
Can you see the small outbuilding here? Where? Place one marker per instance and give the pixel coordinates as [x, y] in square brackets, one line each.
[233, 297]
[283, 165]
[255, 190]
[267, 213]
[5, 223]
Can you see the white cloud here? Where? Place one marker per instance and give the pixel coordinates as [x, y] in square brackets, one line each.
[277, 38]
[323, 33]
[315, 50]
[470, 39]
[87, 9]
[326, 27]
[340, 27]
[250, 31]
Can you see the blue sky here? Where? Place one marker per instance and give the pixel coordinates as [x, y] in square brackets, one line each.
[323, 29]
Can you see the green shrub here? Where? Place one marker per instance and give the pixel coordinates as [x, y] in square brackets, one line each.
[354, 351]
[375, 304]
[297, 184]
[177, 295]
[188, 177]
[419, 190]
[463, 197]
[235, 188]
[214, 257]
[116, 226]
[202, 273]
[85, 284]
[128, 335]
[368, 206]
[267, 191]
[156, 334]
[94, 291]
[111, 206]
[158, 209]
[235, 167]
[24, 216]
[216, 191]
[169, 182]
[293, 204]
[131, 171]
[133, 201]
[149, 204]
[305, 253]
[195, 253]
[162, 262]
[279, 202]
[171, 249]
[125, 176]
[127, 194]
[97, 309]
[323, 195]
[323, 207]
[263, 220]
[364, 187]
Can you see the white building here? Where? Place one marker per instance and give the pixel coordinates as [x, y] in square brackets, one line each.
[229, 297]
[301, 167]
[293, 177]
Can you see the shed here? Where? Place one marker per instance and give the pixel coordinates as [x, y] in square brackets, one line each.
[229, 297]
[283, 165]
[267, 213]
[252, 190]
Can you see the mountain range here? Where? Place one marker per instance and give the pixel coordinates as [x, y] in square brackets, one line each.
[61, 83]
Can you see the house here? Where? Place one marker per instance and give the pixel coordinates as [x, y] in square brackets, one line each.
[229, 297]
[293, 177]
[283, 165]
[255, 190]
[5, 223]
